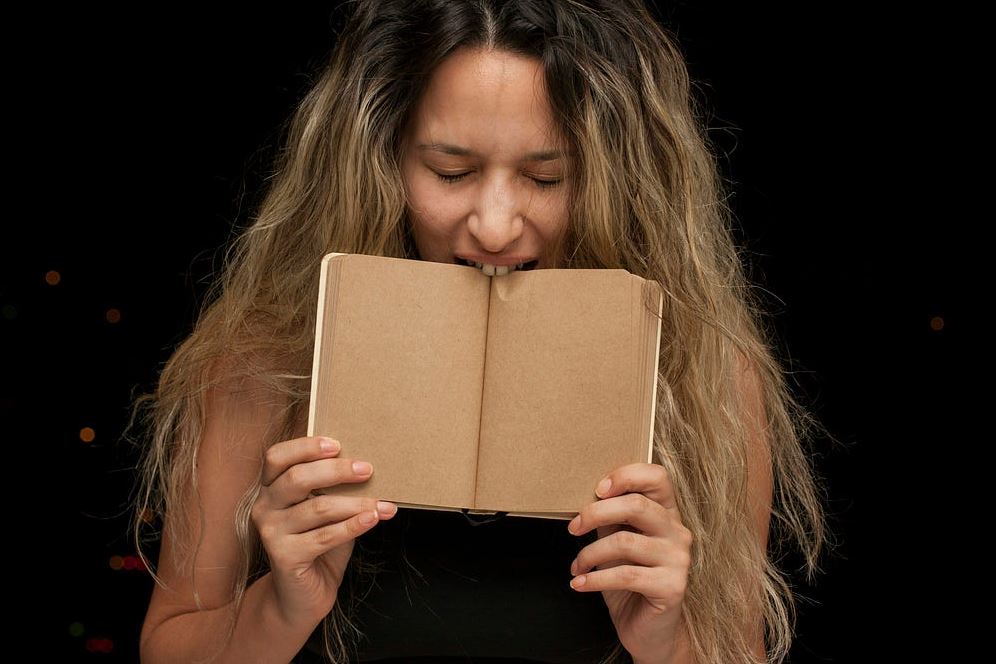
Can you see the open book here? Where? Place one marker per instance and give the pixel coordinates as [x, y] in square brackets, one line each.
[513, 393]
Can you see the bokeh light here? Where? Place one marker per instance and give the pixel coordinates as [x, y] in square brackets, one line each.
[99, 645]
[76, 629]
[52, 277]
[87, 434]
[9, 311]
[113, 316]
[937, 323]
[127, 563]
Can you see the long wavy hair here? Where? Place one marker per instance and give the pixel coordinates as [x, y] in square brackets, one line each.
[646, 197]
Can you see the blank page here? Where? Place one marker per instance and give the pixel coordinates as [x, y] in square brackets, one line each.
[400, 363]
[561, 387]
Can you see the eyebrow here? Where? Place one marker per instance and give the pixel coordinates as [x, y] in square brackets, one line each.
[446, 148]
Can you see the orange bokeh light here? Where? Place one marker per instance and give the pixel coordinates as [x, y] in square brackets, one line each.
[52, 277]
[87, 434]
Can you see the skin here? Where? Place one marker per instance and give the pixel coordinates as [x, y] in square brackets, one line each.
[503, 201]
[310, 539]
[642, 554]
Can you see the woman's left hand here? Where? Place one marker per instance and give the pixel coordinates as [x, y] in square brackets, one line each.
[642, 570]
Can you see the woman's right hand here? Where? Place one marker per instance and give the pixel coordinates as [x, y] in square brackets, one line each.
[309, 539]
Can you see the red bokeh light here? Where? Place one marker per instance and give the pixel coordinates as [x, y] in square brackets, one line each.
[104, 646]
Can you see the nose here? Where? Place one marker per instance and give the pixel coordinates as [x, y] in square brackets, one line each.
[497, 220]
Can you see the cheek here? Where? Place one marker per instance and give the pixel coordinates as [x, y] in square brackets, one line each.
[431, 214]
[430, 228]
[553, 214]
[434, 206]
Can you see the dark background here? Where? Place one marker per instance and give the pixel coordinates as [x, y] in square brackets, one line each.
[149, 134]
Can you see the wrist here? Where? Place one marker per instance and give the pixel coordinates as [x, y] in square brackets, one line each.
[676, 651]
[275, 615]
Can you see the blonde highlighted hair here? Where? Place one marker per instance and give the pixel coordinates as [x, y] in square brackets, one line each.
[646, 197]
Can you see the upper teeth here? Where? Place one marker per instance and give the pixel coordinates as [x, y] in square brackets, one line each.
[494, 270]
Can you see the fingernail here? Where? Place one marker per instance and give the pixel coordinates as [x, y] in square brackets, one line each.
[574, 566]
[329, 445]
[577, 581]
[386, 509]
[367, 518]
[574, 524]
[603, 487]
[361, 467]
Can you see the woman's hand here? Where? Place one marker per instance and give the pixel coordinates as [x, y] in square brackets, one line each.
[309, 538]
[642, 571]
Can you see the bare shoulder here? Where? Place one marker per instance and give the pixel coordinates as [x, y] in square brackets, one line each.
[240, 415]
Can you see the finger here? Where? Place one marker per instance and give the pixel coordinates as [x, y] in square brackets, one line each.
[622, 547]
[663, 588]
[323, 510]
[633, 509]
[281, 456]
[313, 543]
[650, 479]
[298, 481]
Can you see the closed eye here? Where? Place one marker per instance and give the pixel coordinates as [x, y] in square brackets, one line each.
[450, 179]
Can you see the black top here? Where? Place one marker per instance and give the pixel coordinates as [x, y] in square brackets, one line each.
[475, 589]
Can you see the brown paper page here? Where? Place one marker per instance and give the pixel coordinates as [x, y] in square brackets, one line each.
[400, 356]
[562, 388]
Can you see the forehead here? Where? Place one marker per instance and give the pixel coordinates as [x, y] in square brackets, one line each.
[487, 100]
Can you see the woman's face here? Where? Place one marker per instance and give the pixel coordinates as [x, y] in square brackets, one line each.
[483, 164]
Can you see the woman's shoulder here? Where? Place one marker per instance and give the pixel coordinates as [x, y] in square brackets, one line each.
[237, 398]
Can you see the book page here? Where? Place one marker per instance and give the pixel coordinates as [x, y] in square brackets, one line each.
[398, 372]
[562, 387]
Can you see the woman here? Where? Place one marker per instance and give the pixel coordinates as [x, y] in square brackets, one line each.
[556, 134]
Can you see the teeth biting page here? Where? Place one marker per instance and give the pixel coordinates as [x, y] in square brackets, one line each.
[530, 265]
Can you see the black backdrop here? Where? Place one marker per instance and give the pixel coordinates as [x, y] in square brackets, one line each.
[149, 135]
